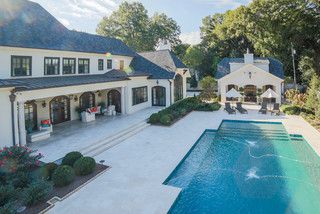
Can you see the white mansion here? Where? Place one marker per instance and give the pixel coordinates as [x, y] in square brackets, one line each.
[48, 73]
[251, 76]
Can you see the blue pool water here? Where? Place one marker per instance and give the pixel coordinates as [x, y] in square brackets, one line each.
[248, 167]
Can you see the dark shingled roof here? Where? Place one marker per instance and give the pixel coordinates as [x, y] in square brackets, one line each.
[141, 65]
[26, 24]
[25, 84]
[165, 59]
[275, 66]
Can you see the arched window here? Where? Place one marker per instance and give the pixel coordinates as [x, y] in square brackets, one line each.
[59, 109]
[159, 96]
[87, 100]
[30, 115]
[178, 87]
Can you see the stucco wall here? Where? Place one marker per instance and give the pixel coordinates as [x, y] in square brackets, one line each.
[258, 78]
[5, 118]
[38, 60]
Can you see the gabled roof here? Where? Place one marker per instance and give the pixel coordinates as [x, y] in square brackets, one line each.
[141, 65]
[26, 24]
[165, 59]
[275, 66]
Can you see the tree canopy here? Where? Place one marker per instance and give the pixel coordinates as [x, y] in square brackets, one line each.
[131, 24]
[267, 27]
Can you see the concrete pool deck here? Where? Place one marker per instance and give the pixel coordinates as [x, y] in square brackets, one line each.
[141, 163]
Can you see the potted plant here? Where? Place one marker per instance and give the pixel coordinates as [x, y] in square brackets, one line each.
[29, 126]
[79, 110]
[102, 107]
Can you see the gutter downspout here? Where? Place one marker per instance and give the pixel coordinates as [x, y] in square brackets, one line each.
[170, 91]
[12, 98]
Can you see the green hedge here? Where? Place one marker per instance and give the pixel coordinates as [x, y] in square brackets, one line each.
[295, 110]
[63, 176]
[70, 158]
[181, 108]
[84, 166]
[37, 192]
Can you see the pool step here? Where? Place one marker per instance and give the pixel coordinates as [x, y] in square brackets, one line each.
[110, 141]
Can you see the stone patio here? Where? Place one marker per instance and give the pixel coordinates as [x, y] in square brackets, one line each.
[142, 163]
[75, 135]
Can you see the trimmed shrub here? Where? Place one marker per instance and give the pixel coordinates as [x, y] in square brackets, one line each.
[49, 169]
[154, 118]
[70, 158]
[63, 176]
[20, 179]
[292, 110]
[7, 194]
[84, 166]
[166, 119]
[8, 208]
[37, 192]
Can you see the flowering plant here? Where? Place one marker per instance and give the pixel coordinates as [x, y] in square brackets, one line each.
[18, 158]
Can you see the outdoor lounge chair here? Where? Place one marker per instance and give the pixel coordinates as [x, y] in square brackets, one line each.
[276, 109]
[263, 108]
[229, 109]
[241, 109]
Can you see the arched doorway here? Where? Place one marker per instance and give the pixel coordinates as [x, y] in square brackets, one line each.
[159, 96]
[87, 100]
[114, 98]
[30, 115]
[178, 87]
[250, 93]
[60, 109]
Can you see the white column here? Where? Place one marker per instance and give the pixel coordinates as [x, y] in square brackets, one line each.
[21, 124]
[123, 103]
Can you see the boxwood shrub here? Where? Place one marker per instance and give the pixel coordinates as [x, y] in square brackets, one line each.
[37, 192]
[49, 169]
[84, 166]
[181, 108]
[70, 158]
[63, 176]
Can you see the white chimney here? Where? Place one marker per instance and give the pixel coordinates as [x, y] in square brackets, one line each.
[248, 57]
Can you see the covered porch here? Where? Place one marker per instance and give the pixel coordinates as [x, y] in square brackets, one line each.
[40, 112]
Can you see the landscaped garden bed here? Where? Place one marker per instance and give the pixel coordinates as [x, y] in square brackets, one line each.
[27, 184]
[178, 110]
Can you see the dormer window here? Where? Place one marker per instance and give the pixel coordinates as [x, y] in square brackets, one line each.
[100, 64]
[69, 66]
[109, 64]
[51, 66]
[21, 66]
[83, 66]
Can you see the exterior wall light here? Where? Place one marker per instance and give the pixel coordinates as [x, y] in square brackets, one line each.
[44, 104]
[75, 98]
[250, 75]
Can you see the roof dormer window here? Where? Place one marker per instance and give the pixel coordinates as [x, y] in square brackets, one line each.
[21, 66]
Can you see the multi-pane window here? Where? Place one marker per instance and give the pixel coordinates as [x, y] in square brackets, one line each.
[139, 95]
[21, 66]
[121, 65]
[83, 66]
[100, 64]
[109, 64]
[51, 66]
[69, 66]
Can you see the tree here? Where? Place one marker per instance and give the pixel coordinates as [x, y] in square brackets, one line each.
[208, 85]
[193, 57]
[131, 24]
[180, 50]
[313, 95]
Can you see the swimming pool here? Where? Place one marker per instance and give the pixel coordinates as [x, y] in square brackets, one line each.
[248, 167]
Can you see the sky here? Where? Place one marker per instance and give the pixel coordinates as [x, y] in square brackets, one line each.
[84, 15]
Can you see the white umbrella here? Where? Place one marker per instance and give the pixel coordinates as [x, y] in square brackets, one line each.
[269, 94]
[233, 93]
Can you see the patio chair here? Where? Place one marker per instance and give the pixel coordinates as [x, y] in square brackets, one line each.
[241, 109]
[229, 109]
[263, 108]
[276, 109]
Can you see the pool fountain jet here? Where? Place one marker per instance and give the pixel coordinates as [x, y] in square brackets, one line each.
[252, 174]
[252, 143]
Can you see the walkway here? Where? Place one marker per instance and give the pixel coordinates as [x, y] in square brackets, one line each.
[75, 135]
[142, 163]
